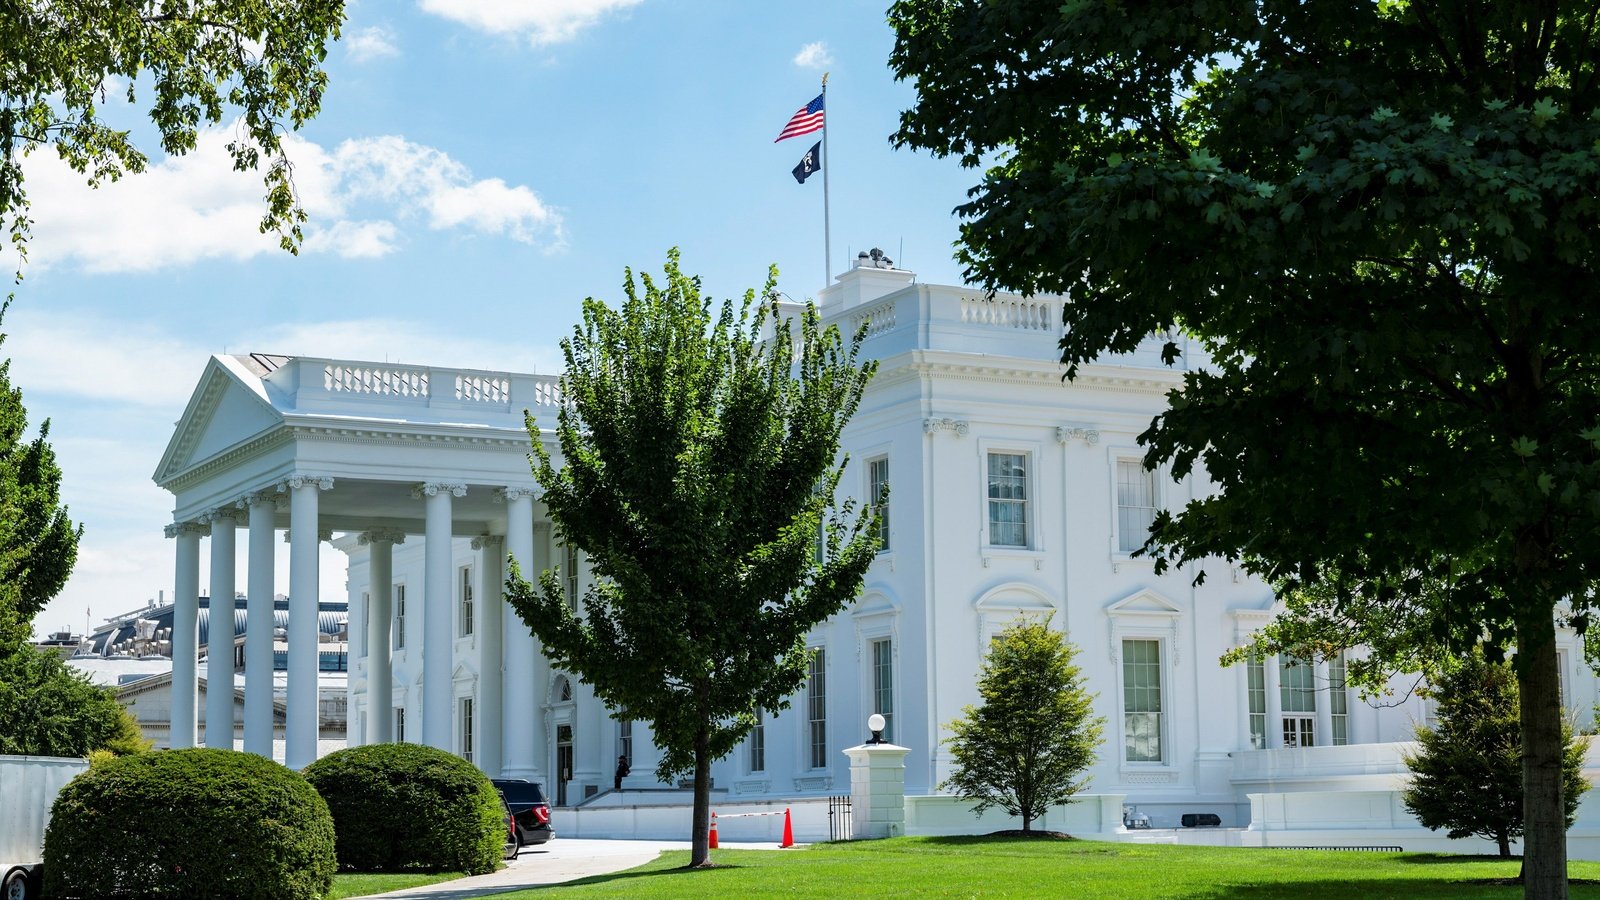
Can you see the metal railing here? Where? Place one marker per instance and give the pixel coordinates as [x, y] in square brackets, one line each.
[840, 819]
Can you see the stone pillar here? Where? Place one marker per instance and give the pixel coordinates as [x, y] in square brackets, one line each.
[437, 634]
[592, 742]
[380, 643]
[1324, 701]
[259, 624]
[219, 634]
[302, 717]
[521, 696]
[491, 628]
[877, 790]
[1272, 669]
[185, 632]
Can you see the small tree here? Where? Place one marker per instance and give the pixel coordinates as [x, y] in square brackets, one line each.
[47, 708]
[1467, 773]
[1024, 748]
[700, 463]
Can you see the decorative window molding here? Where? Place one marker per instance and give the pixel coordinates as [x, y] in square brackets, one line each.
[1146, 615]
[999, 606]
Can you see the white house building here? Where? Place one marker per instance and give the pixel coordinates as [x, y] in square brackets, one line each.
[1014, 494]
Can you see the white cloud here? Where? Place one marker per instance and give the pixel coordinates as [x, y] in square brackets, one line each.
[542, 21]
[196, 207]
[813, 56]
[367, 44]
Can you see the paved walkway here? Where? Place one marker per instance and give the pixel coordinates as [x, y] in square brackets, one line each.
[563, 859]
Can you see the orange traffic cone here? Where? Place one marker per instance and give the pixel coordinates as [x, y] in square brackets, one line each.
[713, 831]
[788, 830]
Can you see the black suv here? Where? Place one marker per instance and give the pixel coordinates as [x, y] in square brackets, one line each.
[529, 808]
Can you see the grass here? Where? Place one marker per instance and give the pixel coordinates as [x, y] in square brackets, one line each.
[1008, 867]
[360, 884]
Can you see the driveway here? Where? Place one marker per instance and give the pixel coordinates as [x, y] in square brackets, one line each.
[563, 859]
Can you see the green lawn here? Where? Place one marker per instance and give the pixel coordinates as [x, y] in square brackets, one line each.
[1002, 867]
[360, 884]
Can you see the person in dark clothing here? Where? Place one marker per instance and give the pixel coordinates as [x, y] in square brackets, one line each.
[622, 772]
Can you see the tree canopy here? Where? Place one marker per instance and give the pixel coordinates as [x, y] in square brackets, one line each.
[1026, 746]
[196, 60]
[1380, 218]
[699, 464]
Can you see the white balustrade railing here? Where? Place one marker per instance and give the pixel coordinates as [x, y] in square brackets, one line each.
[483, 388]
[348, 378]
[1011, 312]
[878, 319]
[417, 384]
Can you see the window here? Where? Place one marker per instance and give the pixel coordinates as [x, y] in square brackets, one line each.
[883, 685]
[1256, 679]
[466, 601]
[625, 738]
[569, 576]
[399, 617]
[1008, 499]
[366, 621]
[1136, 504]
[817, 708]
[1338, 701]
[1141, 701]
[1297, 689]
[877, 498]
[399, 724]
[465, 705]
[758, 743]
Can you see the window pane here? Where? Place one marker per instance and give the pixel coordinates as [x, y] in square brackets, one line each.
[1008, 499]
[883, 685]
[1338, 701]
[817, 708]
[1141, 700]
[1297, 686]
[1136, 504]
[1257, 690]
[877, 483]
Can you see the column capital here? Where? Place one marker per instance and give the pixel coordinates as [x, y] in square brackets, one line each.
[507, 494]
[382, 535]
[177, 528]
[958, 427]
[257, 498]
[431, 488]
[488, 540]
[222, 512]
[323, 534]
[543, 527]
[300, 480]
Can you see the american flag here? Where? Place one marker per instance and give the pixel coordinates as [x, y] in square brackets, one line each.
[805, 120]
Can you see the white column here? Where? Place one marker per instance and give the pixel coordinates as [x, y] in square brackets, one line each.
[1324, 700]
[1274, 703]
[877, 790]
[185, 633]
[592, 741]
[380, 595]
[219, 634]
[526, 674]
[491, 624]
[301, 723]
[259, 588]
[437, 641]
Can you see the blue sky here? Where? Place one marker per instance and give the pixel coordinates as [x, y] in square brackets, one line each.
[478, 168]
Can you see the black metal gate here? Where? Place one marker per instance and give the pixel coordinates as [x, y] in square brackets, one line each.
[839, 819]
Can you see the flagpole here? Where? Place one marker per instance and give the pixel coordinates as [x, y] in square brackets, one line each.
[827, 163]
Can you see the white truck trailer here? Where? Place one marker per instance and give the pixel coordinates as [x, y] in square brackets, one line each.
[28, 788]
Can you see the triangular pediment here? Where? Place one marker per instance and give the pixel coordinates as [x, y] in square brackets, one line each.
[223, 412]
[1145, 602]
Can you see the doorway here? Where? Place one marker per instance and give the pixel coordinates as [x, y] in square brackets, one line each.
[1298, 731]
[563, 762]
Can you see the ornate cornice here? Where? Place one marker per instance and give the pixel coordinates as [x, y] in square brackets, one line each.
[230, 513]
[507, 494]
[195, 528]
[432, 488]
[300, 479]
[382, 535]
[958, 427]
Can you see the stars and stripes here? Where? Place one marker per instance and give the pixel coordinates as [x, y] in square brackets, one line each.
[805, 120]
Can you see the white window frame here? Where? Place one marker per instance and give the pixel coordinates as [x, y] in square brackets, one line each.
[1163, 689]
[570, 563]
[756, 745]
[1147, 615]
[1034, 522]
[397, 600]
[873, 506]
[397, 723]
[873, 692]
[1339, 690]
[807, 742]
[1158, 490]
[466, 622]
[366, 624]
[625, 736]
[466, 727]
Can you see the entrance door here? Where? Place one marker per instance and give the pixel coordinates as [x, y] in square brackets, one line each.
[563, 762]
[1297, 731]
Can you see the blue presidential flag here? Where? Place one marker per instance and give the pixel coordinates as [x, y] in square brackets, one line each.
[810, 163]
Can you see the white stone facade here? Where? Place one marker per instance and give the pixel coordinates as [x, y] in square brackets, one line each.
[1013, 494]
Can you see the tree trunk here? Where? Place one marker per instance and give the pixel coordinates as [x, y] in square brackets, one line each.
[1544, 842]
[1504, 840]
[700, 856]
[1027, 822]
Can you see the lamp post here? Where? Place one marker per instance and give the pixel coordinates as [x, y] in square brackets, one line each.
[875, 724]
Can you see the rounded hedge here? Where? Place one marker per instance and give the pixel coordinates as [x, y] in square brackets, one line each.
[189, 823]
[399, 806]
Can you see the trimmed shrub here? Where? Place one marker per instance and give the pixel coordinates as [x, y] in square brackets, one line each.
[400, 806]
[189, 823]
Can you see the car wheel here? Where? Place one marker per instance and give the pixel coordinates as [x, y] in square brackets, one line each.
[16, 886]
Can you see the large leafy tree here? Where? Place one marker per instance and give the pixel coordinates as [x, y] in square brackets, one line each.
[1466, 774]
[48, 708]
[1026, 746]
[196, 60]
[1381, 217]
[700, 458]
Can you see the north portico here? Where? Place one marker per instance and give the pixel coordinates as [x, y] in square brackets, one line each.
[388, 455]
